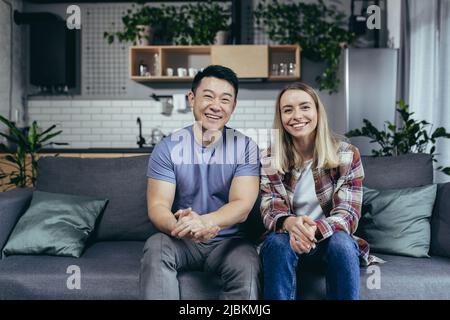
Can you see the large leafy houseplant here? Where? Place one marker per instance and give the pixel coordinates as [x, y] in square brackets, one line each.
[203, 21]
[412, 137]
[318, 29]
[134, 22]
[188, 24]
[21, 152]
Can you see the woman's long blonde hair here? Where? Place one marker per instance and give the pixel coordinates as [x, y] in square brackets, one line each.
[283, 153]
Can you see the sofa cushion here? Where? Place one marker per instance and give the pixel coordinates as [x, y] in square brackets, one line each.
[55, 224]
[197, 285]
[108, 270]
[397, 221]
[404, 171]
[440, 222]
[13, 204]
[401, 277]
[121, 180]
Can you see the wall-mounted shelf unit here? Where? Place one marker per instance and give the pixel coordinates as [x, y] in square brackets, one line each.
[248, 61]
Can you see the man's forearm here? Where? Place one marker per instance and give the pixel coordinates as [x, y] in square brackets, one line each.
[162, 218]
[230, 214]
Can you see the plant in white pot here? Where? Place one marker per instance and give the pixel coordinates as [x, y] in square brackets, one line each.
[139, 25]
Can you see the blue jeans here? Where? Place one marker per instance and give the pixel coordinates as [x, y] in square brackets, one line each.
[339, 253]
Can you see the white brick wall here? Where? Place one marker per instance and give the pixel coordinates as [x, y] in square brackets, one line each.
[107, 123]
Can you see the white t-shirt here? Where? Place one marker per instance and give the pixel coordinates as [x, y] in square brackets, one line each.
[305, 199]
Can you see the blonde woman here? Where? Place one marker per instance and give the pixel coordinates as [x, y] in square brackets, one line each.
[311, 186]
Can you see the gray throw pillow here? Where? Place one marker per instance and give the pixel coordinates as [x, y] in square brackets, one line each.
[440, 222]
[397, 221]
[55, 224]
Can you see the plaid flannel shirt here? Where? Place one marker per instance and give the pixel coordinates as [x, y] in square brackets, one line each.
[339, 191]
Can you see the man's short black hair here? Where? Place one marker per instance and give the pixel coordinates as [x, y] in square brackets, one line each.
[219, 72]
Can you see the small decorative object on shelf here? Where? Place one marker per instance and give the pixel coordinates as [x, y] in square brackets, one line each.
[282, 69]
[291, 69]
[275, 69]
[143, 69]
[169, 72]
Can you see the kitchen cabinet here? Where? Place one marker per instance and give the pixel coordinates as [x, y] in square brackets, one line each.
[179, 63]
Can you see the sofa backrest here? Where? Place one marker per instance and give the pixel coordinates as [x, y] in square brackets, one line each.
[122, 180]
[404, 171]
[410, 170]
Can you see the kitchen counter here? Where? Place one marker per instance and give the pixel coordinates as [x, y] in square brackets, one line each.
[98, 150]
[7, 167]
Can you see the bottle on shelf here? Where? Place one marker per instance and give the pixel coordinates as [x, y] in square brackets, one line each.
[143, 69]
[156, 64]
[282, 71]
[291, 69]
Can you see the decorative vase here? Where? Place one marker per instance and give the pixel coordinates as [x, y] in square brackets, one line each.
[221, 37]
[145, 35]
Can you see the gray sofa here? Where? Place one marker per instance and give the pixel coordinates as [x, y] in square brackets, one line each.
[110, 264]
[402, 277]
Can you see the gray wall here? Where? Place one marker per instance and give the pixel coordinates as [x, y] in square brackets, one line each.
[134, 90]
[253, 91]
[5, 61]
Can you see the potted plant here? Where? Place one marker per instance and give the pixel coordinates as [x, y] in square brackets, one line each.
[208, 23]
[139, 25]
[318, 29]
[412, 137]
[21, 152]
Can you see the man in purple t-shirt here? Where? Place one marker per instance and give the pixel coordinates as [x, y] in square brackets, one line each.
[203, 181]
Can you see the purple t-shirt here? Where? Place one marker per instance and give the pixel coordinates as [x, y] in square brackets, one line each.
[203, 175]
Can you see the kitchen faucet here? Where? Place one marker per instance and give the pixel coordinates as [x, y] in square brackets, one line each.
[141, 140]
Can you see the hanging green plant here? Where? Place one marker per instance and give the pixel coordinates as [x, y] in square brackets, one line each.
[188, 24]
[146, 25]
[318, 29]
[203, 21]
[412, 137]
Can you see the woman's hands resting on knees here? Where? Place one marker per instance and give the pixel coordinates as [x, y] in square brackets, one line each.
[302, 231]
[191, 225]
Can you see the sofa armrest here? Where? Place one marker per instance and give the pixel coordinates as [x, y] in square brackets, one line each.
[12, 205]
[440, 222]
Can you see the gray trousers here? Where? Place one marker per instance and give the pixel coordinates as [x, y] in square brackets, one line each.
[234, 259]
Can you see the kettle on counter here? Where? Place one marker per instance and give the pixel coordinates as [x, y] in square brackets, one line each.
[157, 136]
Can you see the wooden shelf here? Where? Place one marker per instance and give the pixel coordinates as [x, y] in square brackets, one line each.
[283, 78]
[161, 78]
[248, 61]
[285, 54]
